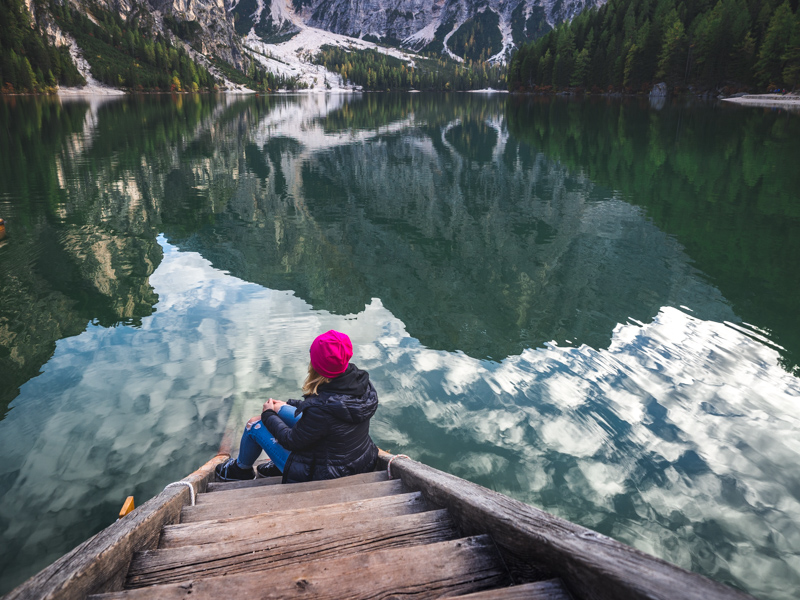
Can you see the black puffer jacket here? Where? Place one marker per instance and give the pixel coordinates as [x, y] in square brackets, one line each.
[332, 439]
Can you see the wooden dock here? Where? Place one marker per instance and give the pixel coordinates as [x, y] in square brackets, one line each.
[425, 534]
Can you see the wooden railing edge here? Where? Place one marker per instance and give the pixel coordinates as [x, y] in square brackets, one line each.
[100, 564]
[592, 566]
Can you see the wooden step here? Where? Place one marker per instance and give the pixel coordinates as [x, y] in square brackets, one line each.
[429, 571]
[235, 507]
[219, 486]
[214, 486]
[301, 544]
[277, 490]
[551, 589]
[241, 528]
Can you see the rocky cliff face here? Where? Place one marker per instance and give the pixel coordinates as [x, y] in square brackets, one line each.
[210, 27]
[216, 27]
[462, 28]
[232, 32]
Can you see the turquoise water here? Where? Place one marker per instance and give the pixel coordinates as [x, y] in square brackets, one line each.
[590, 306]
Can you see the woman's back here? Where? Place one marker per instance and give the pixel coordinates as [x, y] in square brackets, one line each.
[324, 436]
[332, 437]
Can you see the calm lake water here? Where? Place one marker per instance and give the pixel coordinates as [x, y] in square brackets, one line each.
[591, 306]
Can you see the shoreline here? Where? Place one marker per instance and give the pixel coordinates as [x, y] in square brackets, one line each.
[767, 100]
[88, 90]
[94, 91]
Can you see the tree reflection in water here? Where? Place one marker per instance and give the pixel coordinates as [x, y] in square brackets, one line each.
[456, 236]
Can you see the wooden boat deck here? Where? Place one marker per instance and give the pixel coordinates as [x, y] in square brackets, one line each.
[425, 535]
[357, 537]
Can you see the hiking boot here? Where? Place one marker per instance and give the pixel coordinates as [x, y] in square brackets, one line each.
[268, 469]
[230, 471]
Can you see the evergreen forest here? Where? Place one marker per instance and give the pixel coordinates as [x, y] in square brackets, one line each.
[129, 55]
[28, 63]
[374, 70]
[120, 54]
[629, 45]
[479, 38]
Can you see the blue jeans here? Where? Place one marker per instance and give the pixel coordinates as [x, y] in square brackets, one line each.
[256, 438]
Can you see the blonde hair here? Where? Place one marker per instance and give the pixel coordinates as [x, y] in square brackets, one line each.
[313, 381]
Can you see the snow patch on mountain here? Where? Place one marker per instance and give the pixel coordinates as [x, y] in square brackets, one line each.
[424, 36]
[293, 58]
[508, 42]
[418, 22]
[282, 13]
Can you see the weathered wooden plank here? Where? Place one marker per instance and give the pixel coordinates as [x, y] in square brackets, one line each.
[253, 506]
[420, 572]
[101, 562]
[216, 486]
[592, 566]
[551, 589]
[305, 543]
[242, 528]
[256, 491]
[221, 486]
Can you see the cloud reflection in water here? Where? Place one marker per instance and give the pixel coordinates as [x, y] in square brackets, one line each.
[673, 433]
[673, 439]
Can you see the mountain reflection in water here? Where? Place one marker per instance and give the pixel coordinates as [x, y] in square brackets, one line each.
[530, 307]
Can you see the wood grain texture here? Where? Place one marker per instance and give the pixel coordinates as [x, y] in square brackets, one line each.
[242, 493]
[551, 589]
[242, 528]
[221, 486]
[592, 566]
[216, 486]
[299, 545]
[420, 572]
[101, 562]
[234, 507]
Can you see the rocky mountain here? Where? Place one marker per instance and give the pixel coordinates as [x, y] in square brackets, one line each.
[183, 45]
[186, 45]
[463, 29]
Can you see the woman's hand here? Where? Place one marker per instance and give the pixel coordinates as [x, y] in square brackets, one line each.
[272, 404]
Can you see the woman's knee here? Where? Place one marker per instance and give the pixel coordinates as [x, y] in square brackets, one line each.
[254, 422]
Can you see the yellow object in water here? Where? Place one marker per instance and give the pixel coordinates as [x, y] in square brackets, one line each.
[2, 229]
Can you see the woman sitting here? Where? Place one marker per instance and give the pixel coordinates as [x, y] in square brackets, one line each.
[323, 436]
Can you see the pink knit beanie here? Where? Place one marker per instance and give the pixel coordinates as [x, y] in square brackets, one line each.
[331, 353]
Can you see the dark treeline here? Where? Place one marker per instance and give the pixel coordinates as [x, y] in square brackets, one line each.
[374, 70]
[632, 44]
[128, 54]
[28, 63]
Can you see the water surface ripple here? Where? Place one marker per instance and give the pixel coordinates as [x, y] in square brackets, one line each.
[590, 306]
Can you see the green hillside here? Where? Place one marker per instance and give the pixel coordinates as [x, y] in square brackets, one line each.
[632, 44]
[28, 63]
[128, 54]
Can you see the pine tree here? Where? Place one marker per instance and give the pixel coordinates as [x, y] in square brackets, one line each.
[27, 79]
[743, 60]
[770, 65]
[673, 49]
[546, 68]
[565, 52]
[791, 56]
[581, 68]
[630, 59]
